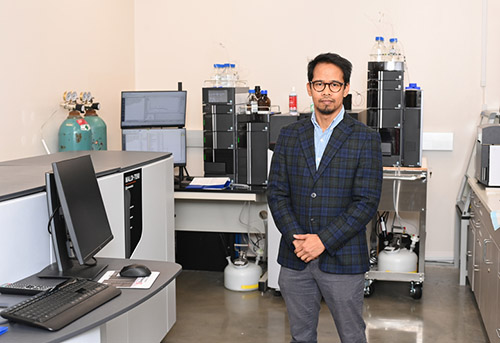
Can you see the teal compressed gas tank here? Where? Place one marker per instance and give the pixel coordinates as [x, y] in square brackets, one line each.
[97, 128]
[74, 133]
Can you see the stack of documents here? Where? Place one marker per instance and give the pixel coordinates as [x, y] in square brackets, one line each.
[209, 183]
[112, 277]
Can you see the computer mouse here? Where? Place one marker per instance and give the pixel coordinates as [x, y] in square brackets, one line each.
[135, 270]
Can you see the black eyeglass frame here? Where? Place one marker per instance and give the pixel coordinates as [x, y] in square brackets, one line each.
[330, 84]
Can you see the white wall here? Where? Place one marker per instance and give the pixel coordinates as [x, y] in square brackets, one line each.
[108, 46]
[48, 47]
[272, 41]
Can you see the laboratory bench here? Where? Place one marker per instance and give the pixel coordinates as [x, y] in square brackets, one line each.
[208, 221]
[229, 210]
[24, 213]
[483, 254]
[88, 327]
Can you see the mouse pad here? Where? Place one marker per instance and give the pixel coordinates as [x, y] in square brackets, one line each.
[113, 278]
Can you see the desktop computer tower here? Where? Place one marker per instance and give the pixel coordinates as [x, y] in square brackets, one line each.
[253, 142]
[220, 109]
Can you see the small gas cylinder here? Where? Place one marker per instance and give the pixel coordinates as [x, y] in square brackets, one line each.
[97, 128]
[74, 133]
[242, 276]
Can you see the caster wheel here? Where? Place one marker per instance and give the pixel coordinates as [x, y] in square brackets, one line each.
[416, 290]
[369, 288]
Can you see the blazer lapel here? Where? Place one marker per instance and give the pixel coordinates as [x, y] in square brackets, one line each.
[306, 137]
[341, 132]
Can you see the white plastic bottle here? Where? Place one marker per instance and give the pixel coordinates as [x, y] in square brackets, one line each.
[292, 102]
[394, 52]
[379, 50]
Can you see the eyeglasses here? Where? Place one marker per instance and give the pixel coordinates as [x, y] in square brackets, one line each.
[320, 86]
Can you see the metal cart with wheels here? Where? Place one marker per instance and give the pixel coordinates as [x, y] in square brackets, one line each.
[403, 190]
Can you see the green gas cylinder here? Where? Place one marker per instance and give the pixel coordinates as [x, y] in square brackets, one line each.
[74, 133]
[97, 128]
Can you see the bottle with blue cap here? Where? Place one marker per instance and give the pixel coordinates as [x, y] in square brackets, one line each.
[413, 96]
[225, 78]
[394, 53]
[217, 77]
[234, 75]
[252, 102]
[264, 103]
[379, 50]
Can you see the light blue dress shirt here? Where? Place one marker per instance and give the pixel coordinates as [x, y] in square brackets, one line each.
[321, 138]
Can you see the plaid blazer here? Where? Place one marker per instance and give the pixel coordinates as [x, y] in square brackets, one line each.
[336, 201]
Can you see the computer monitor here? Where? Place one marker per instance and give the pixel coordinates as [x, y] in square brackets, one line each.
[159, 140]
[153, 109]
[80, 226]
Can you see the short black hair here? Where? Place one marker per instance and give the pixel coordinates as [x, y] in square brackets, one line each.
[332, 58]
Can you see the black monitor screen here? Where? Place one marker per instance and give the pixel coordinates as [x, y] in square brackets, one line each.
[82, 206]
[159, 140]
[153, 109]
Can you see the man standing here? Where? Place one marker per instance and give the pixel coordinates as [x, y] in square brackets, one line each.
[324, 187]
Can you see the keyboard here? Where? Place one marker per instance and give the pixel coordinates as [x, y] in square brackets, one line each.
[56, 308]
[23, 288]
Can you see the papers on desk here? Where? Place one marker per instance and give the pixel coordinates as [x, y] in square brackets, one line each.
[112, 277]
[209, 183]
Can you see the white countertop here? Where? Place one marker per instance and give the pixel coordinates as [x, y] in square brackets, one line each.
[489, 196]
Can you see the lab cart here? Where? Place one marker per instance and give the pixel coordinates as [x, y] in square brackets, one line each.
[403, 190]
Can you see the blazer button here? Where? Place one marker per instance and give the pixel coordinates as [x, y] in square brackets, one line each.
[313, 195]
[312, 220]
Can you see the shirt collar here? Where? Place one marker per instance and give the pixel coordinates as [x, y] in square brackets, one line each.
[333, 124]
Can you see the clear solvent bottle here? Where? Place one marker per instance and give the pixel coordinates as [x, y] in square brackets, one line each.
[252, 102]
[394, 51]
[379, 50]
[217, 75]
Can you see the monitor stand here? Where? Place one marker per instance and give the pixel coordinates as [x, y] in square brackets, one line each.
[74, 271]
[182, 180]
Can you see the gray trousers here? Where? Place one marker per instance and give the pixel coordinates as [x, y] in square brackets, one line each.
[343, 293]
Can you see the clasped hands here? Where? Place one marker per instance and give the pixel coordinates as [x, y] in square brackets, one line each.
[308, 246]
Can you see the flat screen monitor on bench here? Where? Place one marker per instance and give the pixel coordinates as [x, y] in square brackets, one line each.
[80, 226]
[142, 109]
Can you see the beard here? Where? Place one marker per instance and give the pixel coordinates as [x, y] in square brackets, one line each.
[325, 110]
